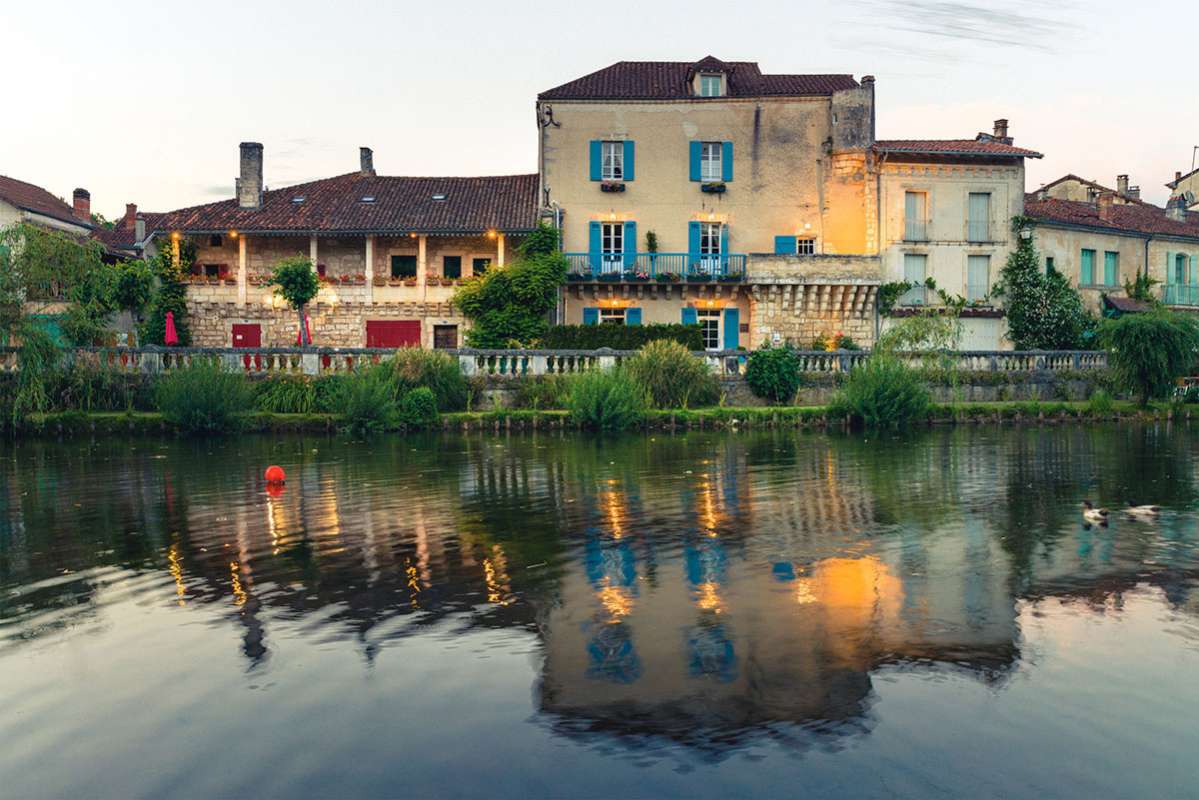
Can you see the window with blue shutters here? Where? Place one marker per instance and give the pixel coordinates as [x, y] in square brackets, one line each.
[595, 150]
[695, 157]
[591, 316]
[689, 316]
[630, 244]
[726, 161]
[632, 316]
[594, 243]
[732, 328]
[785, 245]
[711, 161]
[1086, 270]
[629, 159]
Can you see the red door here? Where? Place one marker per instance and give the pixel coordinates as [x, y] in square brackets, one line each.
[393, 333]
[247, 335]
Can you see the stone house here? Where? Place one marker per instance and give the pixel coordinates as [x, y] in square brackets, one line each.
[388, 250]
[24, 202]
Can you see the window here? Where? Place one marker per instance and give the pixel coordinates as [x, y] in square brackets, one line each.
[445, 337]
[711, 168]
[711, 85]
[451, 266]
[611, 316]
[403, 266]
[978, 217]
[479, 265]
[915, 216]
[214, 240]
[612, 166]
[1180, 269]
[978, 277]
[212, 270]
[805, 247]
[709, 326]
[1086, 269]
[1111, 268]
[709, 238]
[1049, 265]
[915, 269]
[612, 246]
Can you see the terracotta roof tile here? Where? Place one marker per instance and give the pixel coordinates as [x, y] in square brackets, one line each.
[121, 239]
[953, 147]
[670, 80]
[1136, 218]
[400, 205]
[28, 197]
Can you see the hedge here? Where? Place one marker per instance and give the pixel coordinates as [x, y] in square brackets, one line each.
[619, 337]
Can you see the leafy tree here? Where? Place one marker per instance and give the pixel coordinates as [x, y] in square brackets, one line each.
[1044, 312]
[773, 374]
[133, 285]
[170, 296]
[295, 281]
[1149, 351]
[512, 304]
[41, 268]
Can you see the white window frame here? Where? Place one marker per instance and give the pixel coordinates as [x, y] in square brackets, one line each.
[612, 161]
[805, 246]
[710, 239]
[709, 82]
[711, 162]
[612, 246]
[710, 322]
[613, 316]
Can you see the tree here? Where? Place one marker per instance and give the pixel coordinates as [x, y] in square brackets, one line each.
[512, 304]
[171, 295]
[1149, 351]
[41, 269]
[295, 281]
[1044, 312]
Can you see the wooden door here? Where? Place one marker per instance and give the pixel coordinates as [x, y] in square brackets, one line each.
[393, 333]
[247, 335]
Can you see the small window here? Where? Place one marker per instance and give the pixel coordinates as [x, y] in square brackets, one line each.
[451, 267]
[805, 247]
[1049, 268]
[710, 162]
[370, 198]
[711, 85]
[212, 270]
[479, 265]
[612, 166]
[612, 316]
[298, 199]
[214, 240]
[445, 337]
[439, 197]
[403, 266]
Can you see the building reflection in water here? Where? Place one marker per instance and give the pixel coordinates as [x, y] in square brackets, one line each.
[701, 588]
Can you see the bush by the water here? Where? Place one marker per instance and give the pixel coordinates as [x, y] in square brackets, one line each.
[289, 394]
[773, 374]
[1148, 351]
[672, 377]
[607, 400]
[418, 408]
[882, 393]
[1101, 402]
[204, 398]
[540, 392]
[413, 368]
[620, 337]
[366, 402]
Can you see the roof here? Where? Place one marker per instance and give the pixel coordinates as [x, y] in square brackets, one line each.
[1174, 183]
[400, 205]
[1126, 305]
[984, 146]
[1132, 218]
[32, 198]
[122, 238]
[671, 80]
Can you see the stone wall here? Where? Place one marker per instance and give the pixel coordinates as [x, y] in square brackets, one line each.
[799, 313]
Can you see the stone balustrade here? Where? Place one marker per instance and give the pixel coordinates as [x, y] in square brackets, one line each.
[267, 361]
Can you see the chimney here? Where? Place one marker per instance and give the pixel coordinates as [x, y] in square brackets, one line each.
[1001, 131]
[130, 215]
[1106, 202]
[1134, 193]
[139, 230]
[249, 184]
[1122, 185]
[366, 161]
[83, 205]
[1176, 208]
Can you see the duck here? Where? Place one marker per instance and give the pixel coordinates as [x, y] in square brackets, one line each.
[1143, 512]
[1092, 514]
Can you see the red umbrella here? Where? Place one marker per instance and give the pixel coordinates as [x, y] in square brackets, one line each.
[170, 337]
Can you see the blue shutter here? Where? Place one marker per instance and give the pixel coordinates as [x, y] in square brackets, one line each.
[591, 315]
[628, 160]
[692, 242]
[732, 328]
[593, 245]
[597, 160]
[1194, 269]
[785, 245]
[690, 317]
[1170, 277]
[696, 149]
[632, 316]
[724, 242]
[630, 244]
[726, 162]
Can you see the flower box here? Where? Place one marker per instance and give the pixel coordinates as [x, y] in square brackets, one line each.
[612, 186]
[729, 279]
[699, 278]
[578, 277]
[668, 277]
[611, 277]
[636, 277]
[716, 187]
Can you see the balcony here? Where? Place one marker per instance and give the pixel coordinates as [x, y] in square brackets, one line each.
[1180, 295]
[655, 268]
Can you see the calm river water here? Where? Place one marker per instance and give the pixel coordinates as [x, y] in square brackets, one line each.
[558, 615]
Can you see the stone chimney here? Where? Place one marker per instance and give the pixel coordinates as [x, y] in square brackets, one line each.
[130, 215]
[249, 183]
[366, 161]
[83, 205]
[1134, 193]
[139, 230]
[1122, 185]
[1176, 208]
[1106, 201]
[1001, 131]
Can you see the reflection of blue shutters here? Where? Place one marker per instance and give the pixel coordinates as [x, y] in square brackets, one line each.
[630, 244]
[591, 315]
[593, 244]
[597, 171]
[785, 245]
[726, 161]
[732, 328]
[696, 150]
[628, 160]
[632, 316]
[690, 317]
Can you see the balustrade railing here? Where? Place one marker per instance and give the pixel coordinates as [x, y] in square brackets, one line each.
[655, 267]
[1177, 294]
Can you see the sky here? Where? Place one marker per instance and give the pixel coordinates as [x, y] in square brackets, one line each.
[147, 102]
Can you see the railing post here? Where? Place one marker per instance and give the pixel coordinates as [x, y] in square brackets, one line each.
[466, 364]
[310, 363]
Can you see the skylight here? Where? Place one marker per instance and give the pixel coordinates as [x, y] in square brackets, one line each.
[370, 198]
[439, 197]
[298, 199]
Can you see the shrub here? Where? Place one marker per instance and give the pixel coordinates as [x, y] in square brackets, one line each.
[882, 393]
[366, 402]
[1101, 402]
[1149, 351]
[620, 337]
[203, 398]
[418, 408]
[773, 374]
[289, 394]
[413, 368]
[90, 387]
[607, 401]
[542, 391]
[672, 377]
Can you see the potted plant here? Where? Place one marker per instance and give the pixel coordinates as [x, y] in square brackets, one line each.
[611, 186]
[713, 187]
[668, 277]
[410, 281]
[379, 280]
[610, 277]
[699, 277]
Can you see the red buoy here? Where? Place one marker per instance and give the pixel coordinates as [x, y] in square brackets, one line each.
[275, 474]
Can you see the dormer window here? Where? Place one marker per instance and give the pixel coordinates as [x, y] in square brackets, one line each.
[711, 85]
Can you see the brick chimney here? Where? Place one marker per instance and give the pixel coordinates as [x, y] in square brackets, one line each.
[249, 183]
[1001, 131]
[139, 230]
[83, 205]
[1122, 185]
[366, 161]
[130, 215]
[1176, 208]
[1106, 201]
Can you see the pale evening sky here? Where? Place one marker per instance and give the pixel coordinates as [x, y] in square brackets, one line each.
[147, 102]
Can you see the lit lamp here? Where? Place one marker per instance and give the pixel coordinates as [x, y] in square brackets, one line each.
[232, 234]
